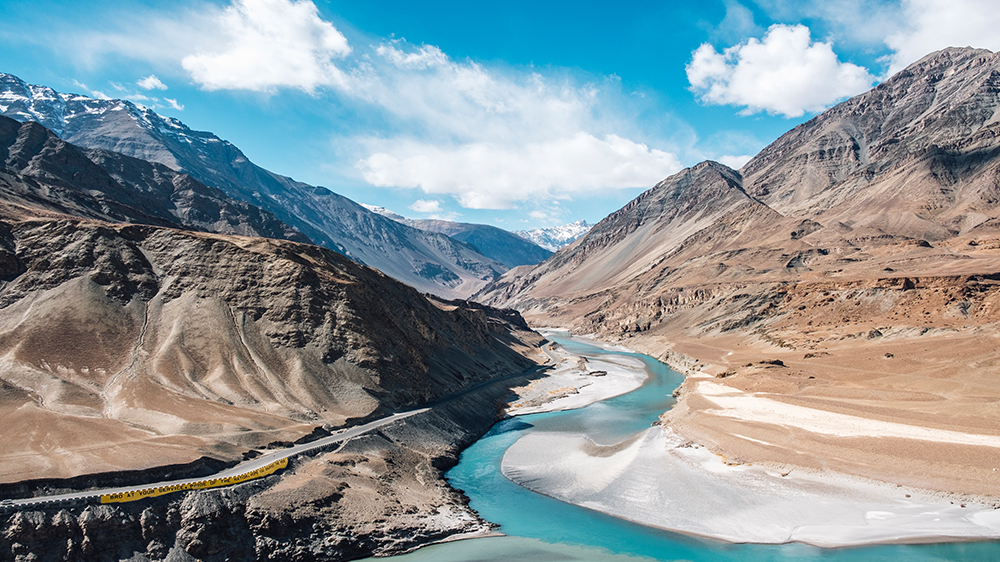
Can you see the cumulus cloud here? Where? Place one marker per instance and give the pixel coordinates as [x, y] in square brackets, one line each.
[267, 44]
[935, 24]
[487, 136]
[785, 73]
[425, 206]
[493, 140]
[486, 176]
[151, 82]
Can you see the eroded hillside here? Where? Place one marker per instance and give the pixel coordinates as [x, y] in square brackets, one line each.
[128, 346]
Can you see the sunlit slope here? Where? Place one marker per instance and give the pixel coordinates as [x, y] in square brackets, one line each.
[128, 346]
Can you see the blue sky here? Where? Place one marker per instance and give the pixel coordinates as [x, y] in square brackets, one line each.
[519, 114]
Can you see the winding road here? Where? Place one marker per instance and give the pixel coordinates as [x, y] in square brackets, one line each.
[256, 463]
[242, 468]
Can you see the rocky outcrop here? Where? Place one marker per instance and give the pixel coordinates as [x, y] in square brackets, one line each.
[915, 156]
[115, 334]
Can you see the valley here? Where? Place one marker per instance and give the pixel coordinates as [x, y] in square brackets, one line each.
[171, 312]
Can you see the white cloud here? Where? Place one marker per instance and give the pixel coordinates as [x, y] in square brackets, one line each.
[151, 82]
[734, 162]
[863, 23]
[424, 206]
[140, 98]
[424, 57]
[737, 23]
[493, 139]
[267, 44]
[931, 25]
[785, 73]
[486, 136]
[549, 214]
[432, 209]
[485, 176]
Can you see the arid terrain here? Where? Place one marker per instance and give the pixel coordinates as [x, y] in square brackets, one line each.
[152, 328]
[834, 301]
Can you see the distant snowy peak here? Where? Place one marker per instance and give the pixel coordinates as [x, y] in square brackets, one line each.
[555, 237]
[384, 212]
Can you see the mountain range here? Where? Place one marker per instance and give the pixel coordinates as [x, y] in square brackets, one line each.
[44, 176]
[494, 243]
[429, 261]
[153, 327]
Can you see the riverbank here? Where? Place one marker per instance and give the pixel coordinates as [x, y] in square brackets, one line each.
[661, 479]
[575, 381]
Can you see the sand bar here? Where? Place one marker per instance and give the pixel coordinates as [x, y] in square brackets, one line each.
[662, 480]
[576, 381]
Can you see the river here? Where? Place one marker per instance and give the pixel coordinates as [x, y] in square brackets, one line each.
[538, 528]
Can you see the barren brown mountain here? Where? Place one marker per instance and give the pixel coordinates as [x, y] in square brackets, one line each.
[848, 273]
[136, 353]
[162, 352]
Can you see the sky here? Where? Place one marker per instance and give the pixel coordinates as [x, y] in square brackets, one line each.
[517, 114]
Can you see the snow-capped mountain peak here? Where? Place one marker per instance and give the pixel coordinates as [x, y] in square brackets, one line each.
[554, 237]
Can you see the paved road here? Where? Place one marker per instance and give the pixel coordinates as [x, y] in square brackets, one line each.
[267, 458]
[241, 468]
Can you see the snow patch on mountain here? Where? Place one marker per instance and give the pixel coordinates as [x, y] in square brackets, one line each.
[384, 212]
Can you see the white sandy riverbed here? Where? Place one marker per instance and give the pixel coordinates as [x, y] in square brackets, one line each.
[657, 479]
[576, 381]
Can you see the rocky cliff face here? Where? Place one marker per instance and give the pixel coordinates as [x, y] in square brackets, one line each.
[45, 176]
[859, 251]
[429, 261]
[379, 494]
[916, 156]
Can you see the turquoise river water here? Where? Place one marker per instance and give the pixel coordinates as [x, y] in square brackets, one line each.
[539, 528]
